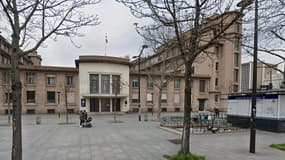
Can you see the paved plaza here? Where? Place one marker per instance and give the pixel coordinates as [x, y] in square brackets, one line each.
[130, 140]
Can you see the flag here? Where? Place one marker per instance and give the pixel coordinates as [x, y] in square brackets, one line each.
[106, 39]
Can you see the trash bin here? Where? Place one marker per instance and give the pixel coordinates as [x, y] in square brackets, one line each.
[38, 120]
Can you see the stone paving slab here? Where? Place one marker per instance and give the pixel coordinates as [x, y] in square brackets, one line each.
[130, 140]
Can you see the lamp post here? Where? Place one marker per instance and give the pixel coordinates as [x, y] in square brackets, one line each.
[58, 103]
[139, 78]
[245, 3]
[66, 102]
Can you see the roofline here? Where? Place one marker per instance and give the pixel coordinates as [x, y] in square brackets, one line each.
[101, 59]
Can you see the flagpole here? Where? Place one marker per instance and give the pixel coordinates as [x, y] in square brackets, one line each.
[106, 42]
[105, 49]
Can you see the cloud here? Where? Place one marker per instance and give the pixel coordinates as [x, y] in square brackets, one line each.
[116, 22]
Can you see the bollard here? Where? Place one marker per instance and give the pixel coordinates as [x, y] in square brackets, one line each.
[38, 120]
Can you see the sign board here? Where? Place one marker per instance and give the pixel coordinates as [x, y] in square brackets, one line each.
[83, 102]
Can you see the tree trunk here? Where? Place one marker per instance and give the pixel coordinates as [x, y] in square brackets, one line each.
[185, 146]
[66, 107]
[16, 97]
[159, 104]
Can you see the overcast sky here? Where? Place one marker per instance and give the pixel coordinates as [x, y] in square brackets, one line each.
[116, 21]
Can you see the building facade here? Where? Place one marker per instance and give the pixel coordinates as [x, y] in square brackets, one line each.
[215, 76]
[110, 84]
[45, 89]
[265, 73]
[104, 83]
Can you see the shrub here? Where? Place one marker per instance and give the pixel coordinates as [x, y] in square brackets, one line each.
[278, 146]
[182, 156]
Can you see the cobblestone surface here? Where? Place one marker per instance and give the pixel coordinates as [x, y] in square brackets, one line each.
[130, 140]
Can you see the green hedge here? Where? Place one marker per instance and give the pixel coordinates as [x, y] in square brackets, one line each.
[278, 146]
[182, 156]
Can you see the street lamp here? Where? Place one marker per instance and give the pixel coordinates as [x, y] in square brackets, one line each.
[245, 3]
[139, 78]
[58, 103]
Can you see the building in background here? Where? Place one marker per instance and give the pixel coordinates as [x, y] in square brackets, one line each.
[215, 76]
[265, 73]
[104, 83]
[107, 84]
[275, 79]
[45, 89]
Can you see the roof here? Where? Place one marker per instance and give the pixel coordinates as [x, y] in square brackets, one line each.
[102, 59]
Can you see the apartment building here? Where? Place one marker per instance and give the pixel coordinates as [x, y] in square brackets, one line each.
[265, 73]
[45, 89]
[214, 75]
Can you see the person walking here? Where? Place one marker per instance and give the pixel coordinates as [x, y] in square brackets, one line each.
[81, 117]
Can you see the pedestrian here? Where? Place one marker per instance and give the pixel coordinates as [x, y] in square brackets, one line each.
[217, 112]
[81, 117]
[85, 115]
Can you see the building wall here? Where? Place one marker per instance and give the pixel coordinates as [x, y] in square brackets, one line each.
[40, 87]
[217, 68]
[263, 74]
[103, 68]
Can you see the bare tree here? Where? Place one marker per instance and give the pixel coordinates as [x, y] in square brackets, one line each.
[197, 26]
[31, 23]
[159, 73]
[271, 32]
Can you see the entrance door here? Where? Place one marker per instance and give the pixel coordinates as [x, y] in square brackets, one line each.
[116, 104]
[94, 105]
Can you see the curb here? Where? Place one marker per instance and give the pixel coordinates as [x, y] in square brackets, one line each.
[171, 130]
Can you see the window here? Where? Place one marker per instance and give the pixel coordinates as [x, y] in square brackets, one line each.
[202, 104]
[236, 73]
[105, 83]
[216, 98]
[51, 79]
[216, 82]
[116, 84]
[6, 77]
[50, 97]
[236, 45]
[94, 83]
[193, 70]
[135, 83]
[163, 98]
[135, 98]
[176, 98]
[69, 80]
[30, 78]
[236, 59]
[31, 97]
[202, 85]
[235, 88]
[116, 104]
[164, 84]
[237, 27]
[105, 105]
[149, 97]
[217, 66]
[176, 83]
[149, 83]
[8, 97]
